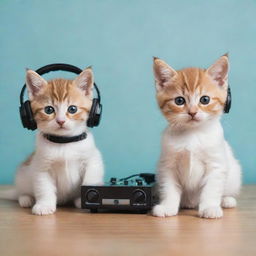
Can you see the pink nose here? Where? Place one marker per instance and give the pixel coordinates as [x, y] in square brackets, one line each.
[60, 122]
[192, 113]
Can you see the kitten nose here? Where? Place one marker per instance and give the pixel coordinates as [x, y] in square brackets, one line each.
[60, 122]
[192, 113]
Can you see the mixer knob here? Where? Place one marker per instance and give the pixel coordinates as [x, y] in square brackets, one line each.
[92, 196]
[113, 181]
[139, 182]
[139, 197]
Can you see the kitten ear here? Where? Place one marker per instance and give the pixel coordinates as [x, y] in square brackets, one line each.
[164, 74]
[85, 81]
[219, 70]
[35, 83]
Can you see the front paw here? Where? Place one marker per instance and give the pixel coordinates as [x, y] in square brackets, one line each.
[213, 212]
[228, 202]
[77, 203]
[43, 209]
[164, 211]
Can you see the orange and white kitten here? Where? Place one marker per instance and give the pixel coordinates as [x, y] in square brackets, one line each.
[196, 167]
[54, 173]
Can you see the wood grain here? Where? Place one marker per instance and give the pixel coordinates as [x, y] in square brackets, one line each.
[74, 232]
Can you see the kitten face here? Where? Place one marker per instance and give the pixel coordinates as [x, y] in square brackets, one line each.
[60, 106]
[191, 96]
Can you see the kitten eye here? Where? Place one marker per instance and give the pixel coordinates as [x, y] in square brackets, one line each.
[48, 110]
[180, 101]
[205, 100]
[72, 109]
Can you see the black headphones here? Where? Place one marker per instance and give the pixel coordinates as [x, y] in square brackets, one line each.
[26, 113]
[228, 101]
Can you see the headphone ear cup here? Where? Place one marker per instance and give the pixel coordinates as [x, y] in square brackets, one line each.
[95, 113]
[26, 116]
[228, 101]
[97, 116]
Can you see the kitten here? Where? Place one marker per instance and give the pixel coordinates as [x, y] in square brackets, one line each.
[196, 167]
[54, 172]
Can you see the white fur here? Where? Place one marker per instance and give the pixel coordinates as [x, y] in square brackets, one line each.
[56, 173]
[197, 169]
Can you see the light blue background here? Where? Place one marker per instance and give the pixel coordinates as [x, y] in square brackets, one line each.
[119, 39]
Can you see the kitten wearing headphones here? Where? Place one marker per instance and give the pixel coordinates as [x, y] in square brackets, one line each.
[197, 168]
[54, 173]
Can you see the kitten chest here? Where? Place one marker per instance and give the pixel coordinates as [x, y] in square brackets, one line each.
[67, 176]
[190, 169]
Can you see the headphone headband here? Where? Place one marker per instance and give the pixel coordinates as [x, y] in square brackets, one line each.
[57, 67]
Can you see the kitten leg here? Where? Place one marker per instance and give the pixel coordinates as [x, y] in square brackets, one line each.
[210, 199]
[94, 170]
[170, 195]
[233, 181]
[45, 194]
[26, 201]
[93, 174]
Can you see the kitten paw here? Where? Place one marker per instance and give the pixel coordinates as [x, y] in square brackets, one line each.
[213, 212]
[26, 201]
[228, 202]
[77, 203]
[164, 211]
[43, 209]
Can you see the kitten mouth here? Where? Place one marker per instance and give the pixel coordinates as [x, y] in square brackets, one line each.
[61, 128]
[194, 120]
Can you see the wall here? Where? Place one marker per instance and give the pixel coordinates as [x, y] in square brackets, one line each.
[119, 38]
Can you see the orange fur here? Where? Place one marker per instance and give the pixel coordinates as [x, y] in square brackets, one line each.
[187, 83]
[60, 90]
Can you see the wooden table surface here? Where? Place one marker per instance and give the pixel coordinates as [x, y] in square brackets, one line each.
[74, 232]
